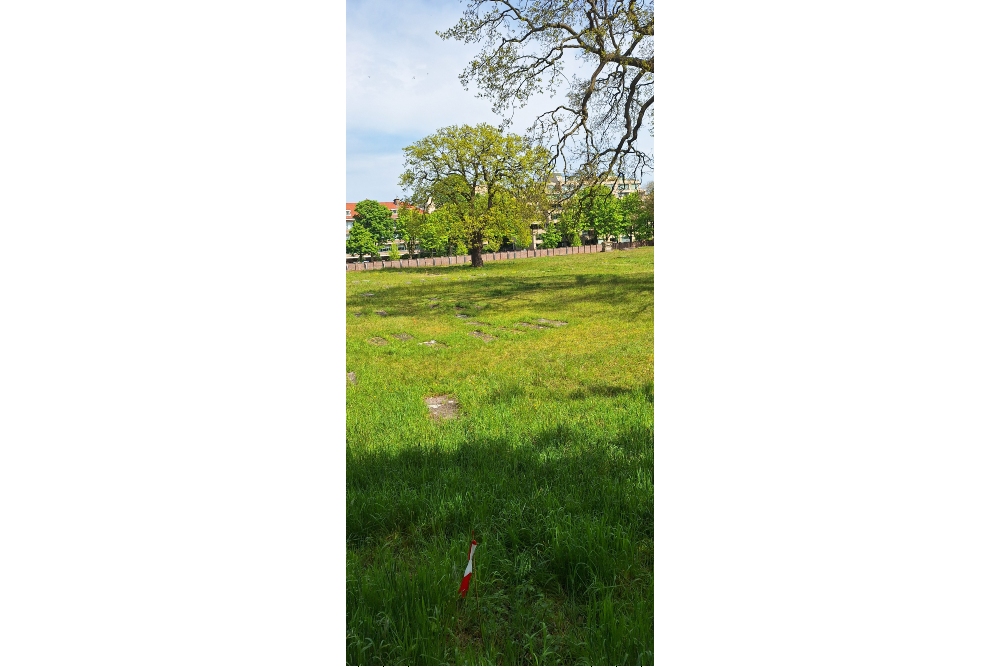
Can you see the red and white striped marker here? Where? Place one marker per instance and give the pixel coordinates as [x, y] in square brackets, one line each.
[464, 588]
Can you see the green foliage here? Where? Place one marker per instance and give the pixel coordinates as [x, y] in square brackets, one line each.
[605, 214]
[551, 237]
[631, 206]
[596, 209]
[394, 251]
[570, 221]
[377, 219]
[550, 461]
[488, 183]
[410, 225]
[361, 242]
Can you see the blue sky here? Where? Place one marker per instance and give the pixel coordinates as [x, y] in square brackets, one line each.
[402, 85]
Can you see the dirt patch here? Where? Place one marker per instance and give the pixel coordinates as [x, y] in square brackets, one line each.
[433, 343]
[381, 313]
[375, 340]
[442, 407]
[352, 378]
[551, 323]
[483, 336]
[529, 325]
[402, 336]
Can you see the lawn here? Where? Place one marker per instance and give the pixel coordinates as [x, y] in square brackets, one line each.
[549, 460]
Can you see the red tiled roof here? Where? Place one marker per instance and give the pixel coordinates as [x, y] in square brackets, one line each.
[388, 204]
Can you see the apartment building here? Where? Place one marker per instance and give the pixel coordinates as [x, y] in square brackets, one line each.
[619, 187]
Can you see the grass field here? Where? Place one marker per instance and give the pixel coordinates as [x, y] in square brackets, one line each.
[549, 460]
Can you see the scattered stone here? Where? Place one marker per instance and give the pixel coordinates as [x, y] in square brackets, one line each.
[528, 325]
[484, 336]
[551, 323]
[402, 336]
[375, 340]
[352, 377]
[381, 313]
[442, 407]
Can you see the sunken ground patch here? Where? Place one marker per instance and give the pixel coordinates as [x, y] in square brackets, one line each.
[549, 459]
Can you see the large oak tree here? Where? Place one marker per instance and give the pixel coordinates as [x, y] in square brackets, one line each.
[490, 184]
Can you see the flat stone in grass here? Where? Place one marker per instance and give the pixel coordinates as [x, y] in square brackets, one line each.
[381, 313]
[442, 407]
[433, 343]
[460, 315]
[368, 294]
[352, 378]
[529, 325]
[357, 314]
[477, 324]
[402, 336]
[485, 337]
[375, 340]
[551, 323]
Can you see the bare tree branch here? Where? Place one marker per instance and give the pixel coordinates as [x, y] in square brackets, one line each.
[525, 44]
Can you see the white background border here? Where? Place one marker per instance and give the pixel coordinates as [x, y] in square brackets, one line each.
[171, 372]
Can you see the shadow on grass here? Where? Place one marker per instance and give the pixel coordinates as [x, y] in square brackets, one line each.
[564, 567]
[628, 291]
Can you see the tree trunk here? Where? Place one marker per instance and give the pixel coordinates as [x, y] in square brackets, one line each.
[477, 256]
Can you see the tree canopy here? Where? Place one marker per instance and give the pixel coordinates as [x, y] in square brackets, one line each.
[487, 184]
[376, 218]
[527, 47]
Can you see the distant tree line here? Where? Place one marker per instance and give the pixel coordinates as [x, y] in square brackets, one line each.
[489, 188]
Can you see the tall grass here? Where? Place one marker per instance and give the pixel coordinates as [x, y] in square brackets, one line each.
[550, 463]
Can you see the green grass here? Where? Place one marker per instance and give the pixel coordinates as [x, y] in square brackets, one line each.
[550, 462]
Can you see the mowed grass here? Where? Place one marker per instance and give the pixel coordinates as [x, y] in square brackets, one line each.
[550, 462]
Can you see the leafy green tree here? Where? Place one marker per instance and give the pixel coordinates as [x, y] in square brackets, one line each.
[377, 219]
[551, 237]
[571, 220]
[362, 242]
[437, 231]
[604, 50]
[644, 223]
[631, 206]
[487, 183]
[605, 215]
[410, 224]
[647, 200]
